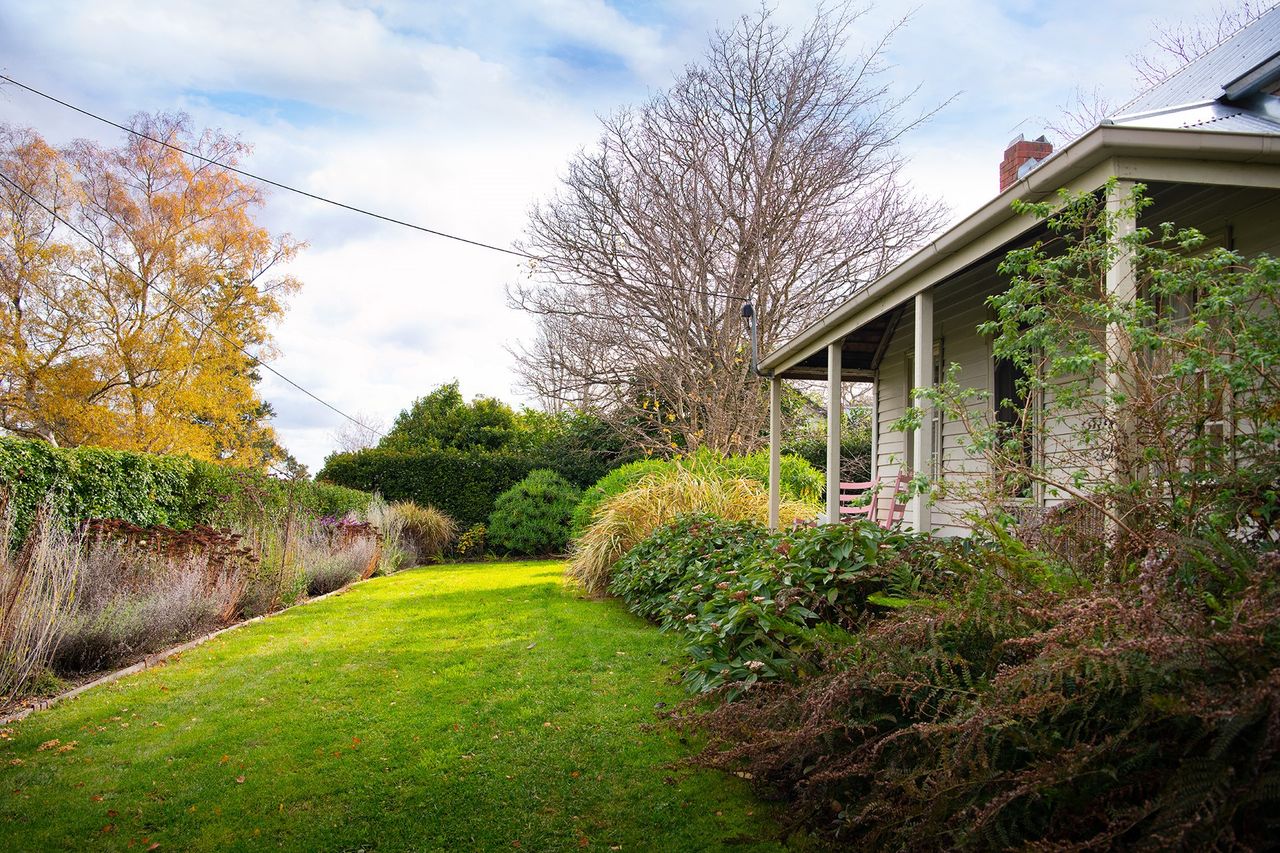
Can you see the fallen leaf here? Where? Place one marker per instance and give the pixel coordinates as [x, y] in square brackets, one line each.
[50, 744]
[575, 774]
[67, 747]
[224, 759]
[584, 842]
[239, 780]
[111, 827]
[16, 762]
[97, 798]
[112, 813]
[154, 845]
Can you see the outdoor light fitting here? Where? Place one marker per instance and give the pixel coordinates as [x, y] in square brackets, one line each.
[749, 315]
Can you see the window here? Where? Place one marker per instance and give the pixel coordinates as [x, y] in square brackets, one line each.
[1010, 402]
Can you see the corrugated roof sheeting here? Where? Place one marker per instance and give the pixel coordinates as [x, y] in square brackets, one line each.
[1203, 79]
[1211, 116]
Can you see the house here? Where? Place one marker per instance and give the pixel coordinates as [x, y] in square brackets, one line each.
[1205, 142]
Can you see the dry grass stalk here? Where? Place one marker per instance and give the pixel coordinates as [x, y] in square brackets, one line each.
[625, 519]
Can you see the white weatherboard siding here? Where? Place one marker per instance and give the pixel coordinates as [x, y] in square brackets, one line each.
[959, 307]
[1252, 217]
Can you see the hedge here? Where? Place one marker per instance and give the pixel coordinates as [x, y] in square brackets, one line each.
[464, 485]
[149, 489]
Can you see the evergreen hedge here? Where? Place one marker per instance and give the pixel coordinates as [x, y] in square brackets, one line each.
[148, 489]
[464, 485]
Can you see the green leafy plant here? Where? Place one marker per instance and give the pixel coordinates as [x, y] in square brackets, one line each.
[757, 606]
[148, 489]
[472, 543]
[532, 517]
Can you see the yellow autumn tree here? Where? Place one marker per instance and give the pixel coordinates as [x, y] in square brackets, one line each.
[131, 333]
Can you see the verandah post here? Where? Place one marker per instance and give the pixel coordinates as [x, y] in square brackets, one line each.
[834, 416]
[921, 519]
[775, 451]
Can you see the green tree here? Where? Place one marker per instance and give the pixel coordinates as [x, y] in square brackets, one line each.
[443, 420]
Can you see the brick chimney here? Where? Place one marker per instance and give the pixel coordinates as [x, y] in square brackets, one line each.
[1021, 157]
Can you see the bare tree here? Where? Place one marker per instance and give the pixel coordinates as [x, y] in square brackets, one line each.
[770, 172]
[1084, 111]
[1169, 48]
[1173, 45]
[349, 436]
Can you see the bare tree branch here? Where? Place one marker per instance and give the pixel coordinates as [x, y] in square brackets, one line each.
[769, 172]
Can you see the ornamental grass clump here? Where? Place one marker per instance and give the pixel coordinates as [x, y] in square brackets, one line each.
[37, 588]
[532, 517]
[627, 518]
[798, 481]
[395, 551]
[429, 531]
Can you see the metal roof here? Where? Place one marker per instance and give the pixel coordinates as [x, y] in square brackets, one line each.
[1204, 78]
[1210, 115]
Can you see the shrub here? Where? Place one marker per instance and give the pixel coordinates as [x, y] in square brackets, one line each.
[471, 544]
[532, 517]
[329, 565]
[1037, 711]
[148, 489]
[798, 481]
[37, 587]
[462, 485]
[625, 519]
[143, 588]
[754, 605]
[429, 531]
[129, 604]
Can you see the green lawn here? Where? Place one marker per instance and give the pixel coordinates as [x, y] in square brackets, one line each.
[473, 707]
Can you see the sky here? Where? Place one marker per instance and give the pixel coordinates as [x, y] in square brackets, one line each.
[460, 116]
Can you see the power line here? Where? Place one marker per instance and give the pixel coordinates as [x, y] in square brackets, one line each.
[184, 309]
[349, 207]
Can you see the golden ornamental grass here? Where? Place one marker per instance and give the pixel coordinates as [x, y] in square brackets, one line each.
[627, 518]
